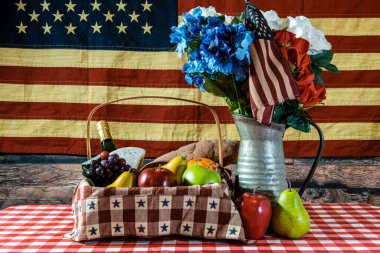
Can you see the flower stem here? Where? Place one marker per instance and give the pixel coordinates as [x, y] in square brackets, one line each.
[237, 96]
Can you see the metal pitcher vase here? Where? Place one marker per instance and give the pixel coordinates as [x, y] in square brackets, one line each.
[261, 160]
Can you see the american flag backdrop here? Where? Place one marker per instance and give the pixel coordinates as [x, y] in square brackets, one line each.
[270, 79]
[59, 59]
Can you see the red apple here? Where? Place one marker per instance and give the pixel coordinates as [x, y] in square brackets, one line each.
[255, 211]
[156, 177]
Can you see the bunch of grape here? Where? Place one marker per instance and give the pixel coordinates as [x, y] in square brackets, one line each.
[104, 170]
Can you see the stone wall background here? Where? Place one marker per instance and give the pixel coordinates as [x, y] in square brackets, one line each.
[49, 179]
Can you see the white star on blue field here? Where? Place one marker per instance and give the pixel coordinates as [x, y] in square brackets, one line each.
[108, 25]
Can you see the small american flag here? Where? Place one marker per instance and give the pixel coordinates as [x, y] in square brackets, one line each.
[270, 79]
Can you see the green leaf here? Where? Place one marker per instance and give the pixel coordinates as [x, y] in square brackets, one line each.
[318, 79]
[193, 45]
[239, 18]
[173, 48]
[318, 75]
[233, 106]
[290, 114]
[293, 68]
[222, 17]
[222, 87]
[322, 59]
[317, 71]
[244, 87]
[299, 123]
[248, 109]
[279, 114]
[332, 68]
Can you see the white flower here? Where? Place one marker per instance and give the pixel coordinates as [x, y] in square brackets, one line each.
[206, 12]
[273, 19]
[302, 28]
[211, 12]
[318, 42]
[228, 19]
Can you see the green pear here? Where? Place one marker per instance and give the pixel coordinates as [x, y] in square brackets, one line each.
[198, 175]
[290, 218]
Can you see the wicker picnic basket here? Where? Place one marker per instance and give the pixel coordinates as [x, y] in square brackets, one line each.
[197, 211]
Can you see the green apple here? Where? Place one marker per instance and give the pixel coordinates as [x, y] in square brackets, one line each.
[198, 175]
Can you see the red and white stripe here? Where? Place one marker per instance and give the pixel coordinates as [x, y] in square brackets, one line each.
[270, 80]
[353, 78]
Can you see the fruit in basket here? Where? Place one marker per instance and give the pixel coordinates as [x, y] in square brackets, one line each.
[104, 155]
[255, 211]
[198, 175]
[290, 218]
[177, 165]
[204, 162]
[104, 169]
[126, 179]
[156, 176]
[113, 159]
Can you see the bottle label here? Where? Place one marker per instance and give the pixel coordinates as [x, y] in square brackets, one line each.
[104, 130]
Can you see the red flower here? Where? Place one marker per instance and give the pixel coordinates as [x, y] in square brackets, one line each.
[295, 52]
[310, 93]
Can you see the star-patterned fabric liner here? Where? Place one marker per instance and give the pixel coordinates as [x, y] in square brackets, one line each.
[197, 211]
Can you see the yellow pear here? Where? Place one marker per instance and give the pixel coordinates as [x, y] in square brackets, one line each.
[126, 179]
[177, 165]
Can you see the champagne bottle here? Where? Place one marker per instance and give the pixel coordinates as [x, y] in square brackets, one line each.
[105, 136]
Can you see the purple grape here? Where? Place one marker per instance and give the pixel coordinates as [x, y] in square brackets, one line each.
[108, 173]
[121, 162]
[100, 171]
[112, 159]
[105, 164]
[116, 167]
[93, 164]
[104, 171]
[126, 167]
[94, 170]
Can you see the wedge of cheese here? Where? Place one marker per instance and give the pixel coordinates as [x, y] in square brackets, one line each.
[132, 155]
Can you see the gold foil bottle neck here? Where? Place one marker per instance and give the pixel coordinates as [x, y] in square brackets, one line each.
[104, 130]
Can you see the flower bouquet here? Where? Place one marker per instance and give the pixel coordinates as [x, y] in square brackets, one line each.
[217, 47]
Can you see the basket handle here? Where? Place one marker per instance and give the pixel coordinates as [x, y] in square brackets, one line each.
[216, 118]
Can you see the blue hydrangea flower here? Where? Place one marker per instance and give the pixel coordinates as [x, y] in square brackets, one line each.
[212, 47]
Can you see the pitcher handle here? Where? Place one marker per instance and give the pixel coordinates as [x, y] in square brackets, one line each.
[316, 160]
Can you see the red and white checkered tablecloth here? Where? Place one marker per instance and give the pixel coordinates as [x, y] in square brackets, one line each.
[335, 228]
